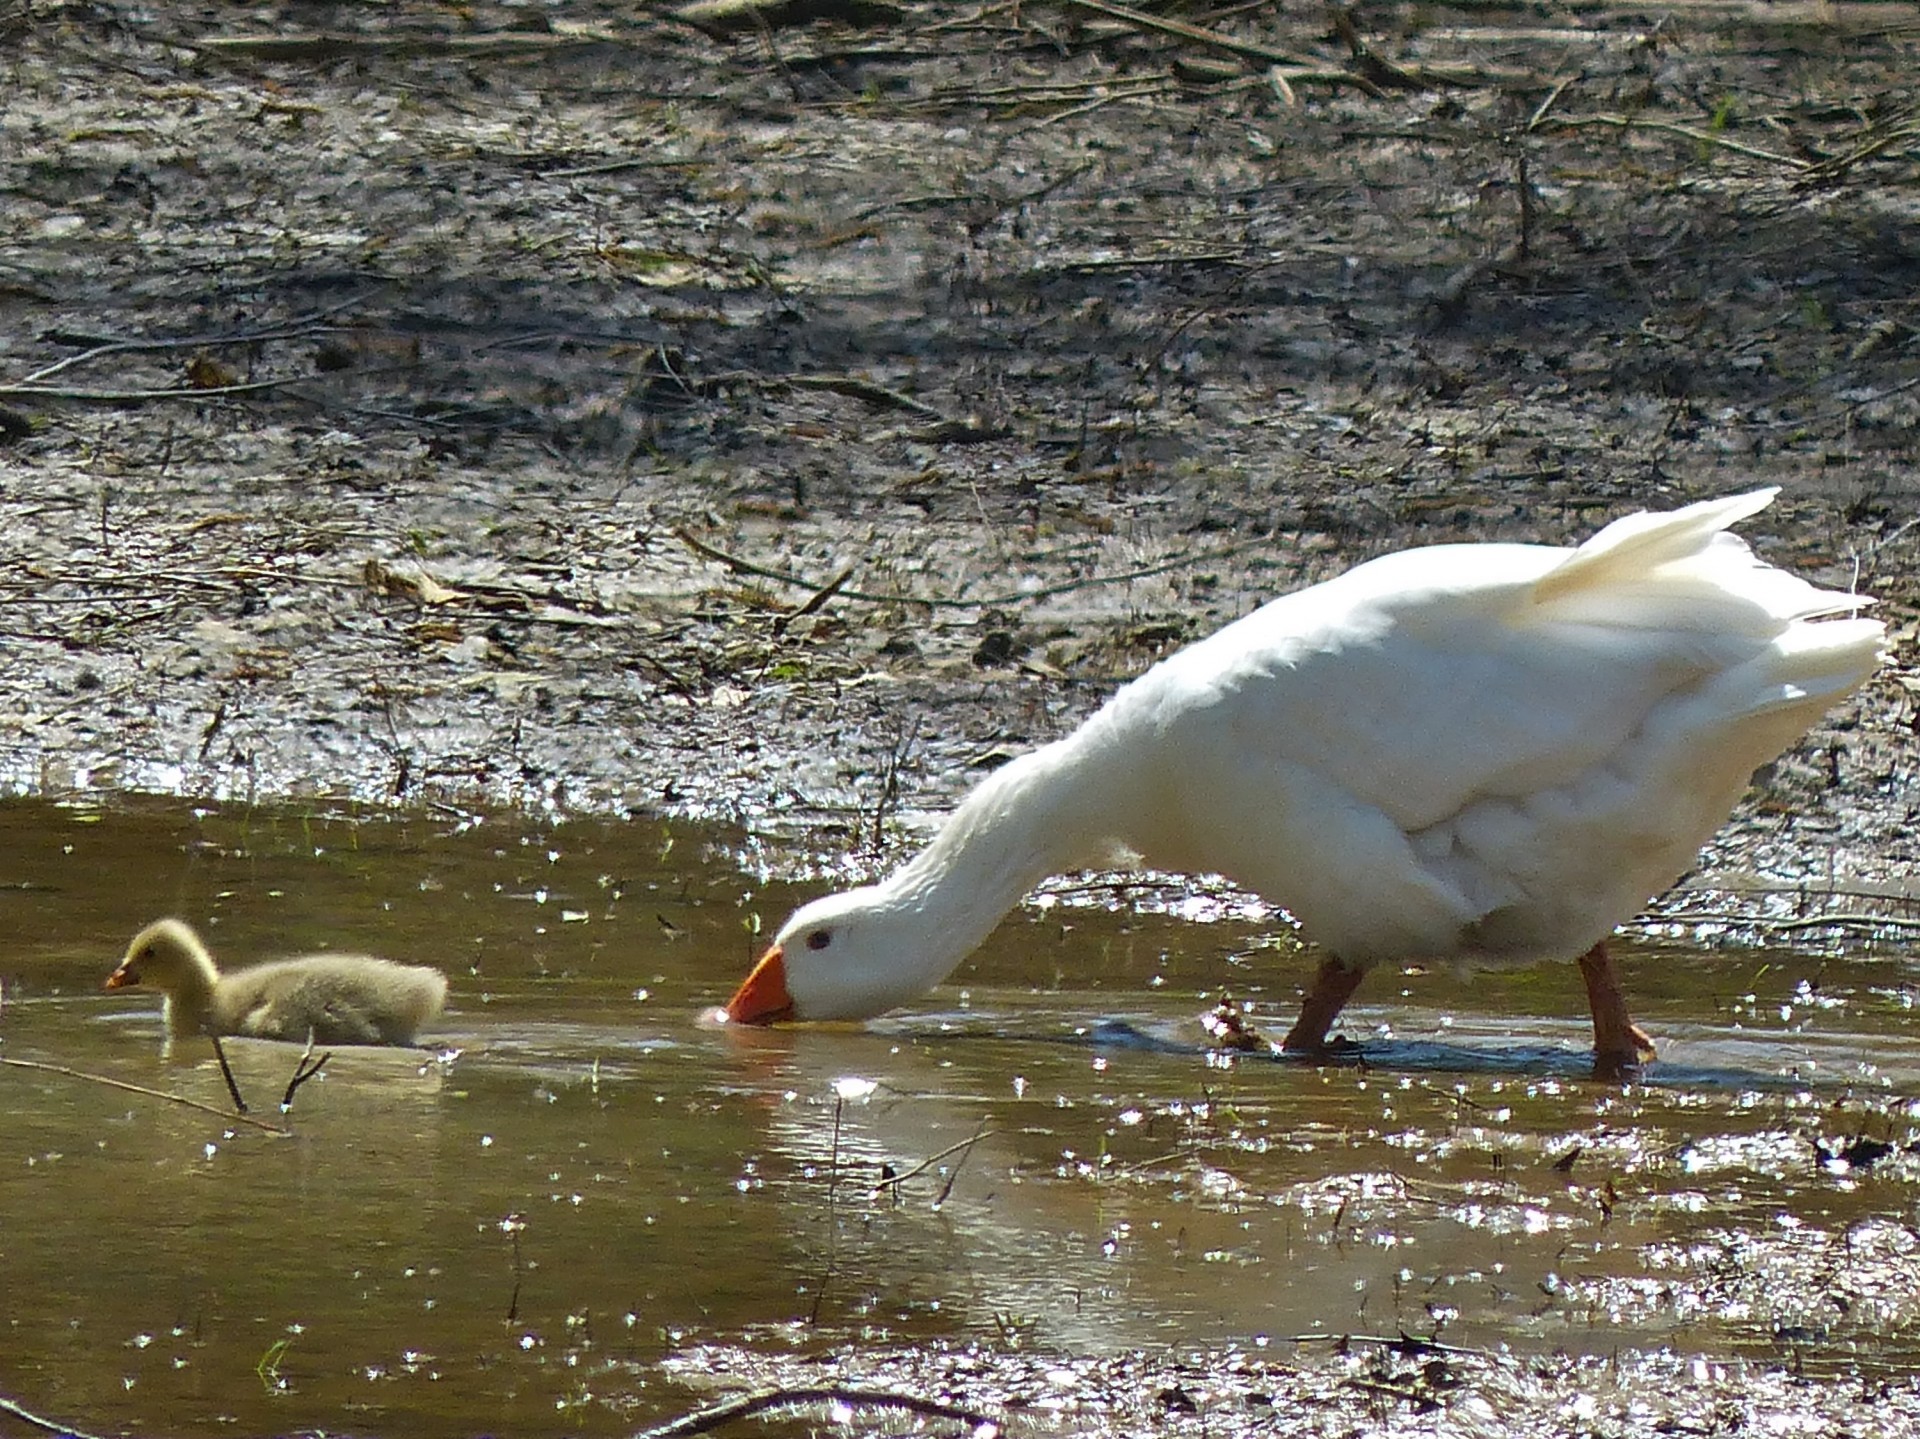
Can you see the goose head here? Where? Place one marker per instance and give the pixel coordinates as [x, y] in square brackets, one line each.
[864, 951]
[848, 956]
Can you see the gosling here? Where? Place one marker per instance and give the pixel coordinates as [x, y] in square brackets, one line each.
[330, 998]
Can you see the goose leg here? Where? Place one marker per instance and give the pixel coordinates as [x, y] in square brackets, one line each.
[1333, 986]
[1619, 1044]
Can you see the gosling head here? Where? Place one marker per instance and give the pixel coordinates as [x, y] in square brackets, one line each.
[166, 954]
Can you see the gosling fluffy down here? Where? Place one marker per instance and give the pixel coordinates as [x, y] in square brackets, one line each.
[334, 998]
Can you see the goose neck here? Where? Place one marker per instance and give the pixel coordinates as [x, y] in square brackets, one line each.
[1033, 817]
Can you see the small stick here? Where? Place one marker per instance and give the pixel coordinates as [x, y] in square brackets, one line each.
[742, 566]
[112, 1083]
[226, 1073]
[1535, 120]
[855, 388]
[820, 596]
[833, 1223]
[1781, 926]
[890, 784]
[138, 397]
[302, 1072]
[953, 1175]
[99, 348]
[1685, 132]
[1402, 1341]
[924, 1165]
[1246, 49]
[20, 1411]
[704, 1421]
[610, 167]
[321, 45]
[1087, 107]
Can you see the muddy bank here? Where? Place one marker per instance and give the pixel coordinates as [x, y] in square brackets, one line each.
[1372, 1386]
[387, 388]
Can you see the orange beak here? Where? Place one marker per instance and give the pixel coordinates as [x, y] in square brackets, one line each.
[120, 979]
[762, 997]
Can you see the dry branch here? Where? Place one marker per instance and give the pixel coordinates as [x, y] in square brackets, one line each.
[1389, 76]
[816, 600]
[143, 397]
[1196, 34]
[856, 388]
[742, 566]
[735, 17]
[99, 348]
[1685, 132]
[332, 45]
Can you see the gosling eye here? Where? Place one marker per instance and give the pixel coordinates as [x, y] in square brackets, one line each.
[820, 939]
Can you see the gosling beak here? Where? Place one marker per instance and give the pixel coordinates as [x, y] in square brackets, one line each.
[121, 978]
[762, 997]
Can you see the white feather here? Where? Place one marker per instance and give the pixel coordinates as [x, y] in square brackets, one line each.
[1453, 752]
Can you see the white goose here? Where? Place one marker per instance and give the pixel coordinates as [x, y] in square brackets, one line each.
[1491, 751]
[330, 998]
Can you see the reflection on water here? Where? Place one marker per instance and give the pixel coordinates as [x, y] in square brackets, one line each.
[522, 1228]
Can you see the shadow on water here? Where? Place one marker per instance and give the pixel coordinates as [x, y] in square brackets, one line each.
[531, 1224]
[1432, 1057]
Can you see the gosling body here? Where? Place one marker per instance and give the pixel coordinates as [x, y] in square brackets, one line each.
[330, 998]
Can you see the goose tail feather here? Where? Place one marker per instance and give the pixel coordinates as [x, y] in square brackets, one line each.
[1682, 571]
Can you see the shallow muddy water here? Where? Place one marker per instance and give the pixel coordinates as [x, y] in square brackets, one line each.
[565, 1213]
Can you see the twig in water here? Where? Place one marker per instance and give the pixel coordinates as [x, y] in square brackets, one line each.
[512, 1225]
[893, 1181]
[303, 1071]
[1782, 926]
[21, 1412]
[833, 1226]
[1404, 1342]
[112, 1083]
[953, 1175]
[226, 1073]
[705, 1421]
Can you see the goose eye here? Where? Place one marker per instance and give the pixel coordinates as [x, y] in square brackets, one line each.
[820, 939]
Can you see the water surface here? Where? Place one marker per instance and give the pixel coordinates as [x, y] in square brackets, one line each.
[530, 1225]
